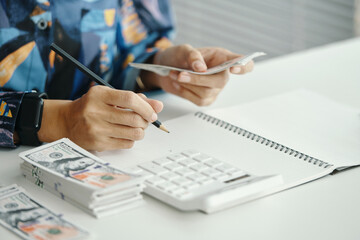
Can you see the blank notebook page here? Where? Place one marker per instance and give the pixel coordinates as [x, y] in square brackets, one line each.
[304, 121]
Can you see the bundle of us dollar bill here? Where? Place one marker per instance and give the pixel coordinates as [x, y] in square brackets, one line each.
[81, 178]
[29, 219]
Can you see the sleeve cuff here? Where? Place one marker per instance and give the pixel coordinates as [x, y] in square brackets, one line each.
[132, 73]
[9, 107]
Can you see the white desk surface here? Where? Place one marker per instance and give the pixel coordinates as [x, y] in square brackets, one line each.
[328, 208]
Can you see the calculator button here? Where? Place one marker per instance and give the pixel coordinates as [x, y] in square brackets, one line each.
[201, 157]
[236, 172]
[206, 181]
[155, 180]
[176, 157]
[221, 177]
[187, 162]
[166, 186]
[133, 170]
[162, 161]
[146, 174]
[169, 176]
[173, 166]
[199, 167]
[185, 194]
[191, 186]
[190, 153]
[196, 177]
[181, 181]
[213, 162]
[225, 168]
[210, 172]
[153, 168]
[184, 171]
[177, 191]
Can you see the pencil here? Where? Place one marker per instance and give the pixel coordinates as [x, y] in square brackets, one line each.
[93, 76]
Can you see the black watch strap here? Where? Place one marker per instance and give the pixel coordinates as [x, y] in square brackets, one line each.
[28, 121]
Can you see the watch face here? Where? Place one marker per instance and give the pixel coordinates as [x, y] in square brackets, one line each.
[31, 112]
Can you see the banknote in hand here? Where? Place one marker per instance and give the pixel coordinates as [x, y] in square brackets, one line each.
[163, 70]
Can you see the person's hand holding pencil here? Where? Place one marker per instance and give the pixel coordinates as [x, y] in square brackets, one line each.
[99, 120]
[102, 119]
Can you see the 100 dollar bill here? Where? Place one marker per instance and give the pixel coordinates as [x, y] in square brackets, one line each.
[65, 159]
[65, 193]
[30, 220]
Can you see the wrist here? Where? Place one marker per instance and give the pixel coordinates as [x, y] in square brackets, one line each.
[16, 138]
[28, 119]
[149, 79]
[157, 57]
[54, 119]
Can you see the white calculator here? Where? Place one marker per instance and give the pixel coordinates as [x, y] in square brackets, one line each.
[191, 180]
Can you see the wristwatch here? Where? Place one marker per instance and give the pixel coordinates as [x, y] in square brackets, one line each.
[28, 120]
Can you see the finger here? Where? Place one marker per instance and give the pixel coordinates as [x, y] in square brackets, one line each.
[174, 75]
[118, 143]
[202, 92]
[127, 100]
[238, 69]
[195, 59]
[217, 80]
[216, 56]
[143, 96]
[183, 92]
[155, 104]
[125, 117]
[123, 132]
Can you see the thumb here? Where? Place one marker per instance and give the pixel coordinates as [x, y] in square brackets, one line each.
[155, 104]
[196, 60]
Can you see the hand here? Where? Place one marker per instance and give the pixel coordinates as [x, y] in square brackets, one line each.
[99, 120]
[199, 89]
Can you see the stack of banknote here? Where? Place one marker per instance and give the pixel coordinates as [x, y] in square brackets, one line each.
[82, 179]
[26, 217]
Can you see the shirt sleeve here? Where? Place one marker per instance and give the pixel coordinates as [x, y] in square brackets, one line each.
[157, 28]
[9, 107]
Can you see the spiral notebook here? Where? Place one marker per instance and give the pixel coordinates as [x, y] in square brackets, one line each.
[301, 135]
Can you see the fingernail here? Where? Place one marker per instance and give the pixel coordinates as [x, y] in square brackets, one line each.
[236, 70]
[184, 77]
[198, 65]
[154, 117]
[173, 76]
[176, 85]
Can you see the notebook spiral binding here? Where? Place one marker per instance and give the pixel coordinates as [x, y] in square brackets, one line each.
[259, 139]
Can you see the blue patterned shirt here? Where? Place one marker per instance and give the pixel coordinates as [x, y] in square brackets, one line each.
[105, 35]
